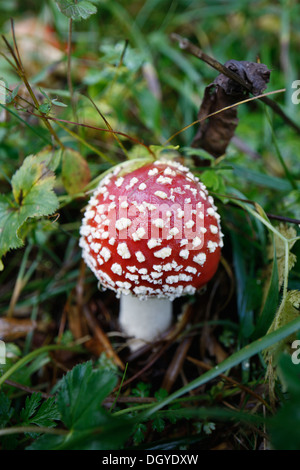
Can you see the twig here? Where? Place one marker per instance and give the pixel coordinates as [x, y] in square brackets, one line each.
[186, 45]
[283, 219]
[27, 389]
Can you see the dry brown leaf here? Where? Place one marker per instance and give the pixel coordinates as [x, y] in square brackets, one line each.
[13, 328]
[215, 133]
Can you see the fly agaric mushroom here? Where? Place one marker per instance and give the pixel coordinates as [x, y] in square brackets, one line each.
[151, 235]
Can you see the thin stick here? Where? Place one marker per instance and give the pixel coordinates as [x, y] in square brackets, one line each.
[186, 45]
[27, 389]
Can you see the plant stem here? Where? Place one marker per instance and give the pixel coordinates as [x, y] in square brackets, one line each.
[144, 320]
[38, 429]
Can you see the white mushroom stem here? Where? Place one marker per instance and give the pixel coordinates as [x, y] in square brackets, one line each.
[144, 320]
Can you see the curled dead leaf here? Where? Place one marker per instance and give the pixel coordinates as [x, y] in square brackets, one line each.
[215, 133]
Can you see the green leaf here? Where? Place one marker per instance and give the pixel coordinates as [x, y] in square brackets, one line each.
[211, 180]
[261, 179]
[158, 425]
[11, 95]
[190, 151]
[6, 411]
[32, 196]
[139, 433]
[141, 390]
[31, 404]
[45, 107]
[58, 103]
[75, 171]
[44, 416]
[90, 427]
[80, 393]
[32, 187]
[82, 9]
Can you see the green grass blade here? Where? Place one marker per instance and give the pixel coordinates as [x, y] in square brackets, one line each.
[245, 353]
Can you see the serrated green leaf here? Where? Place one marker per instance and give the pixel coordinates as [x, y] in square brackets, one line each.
[43, 414]
[10, 222]
[81, 393]
[32, 196]
[31, 404]
[158, 425]
[82, 9]
[6, 411]
[90, 427]
[47, 414]
[32, 188]
[287, 312]
[139, 433]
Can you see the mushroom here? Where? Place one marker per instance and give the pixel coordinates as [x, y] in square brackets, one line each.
[151, 235]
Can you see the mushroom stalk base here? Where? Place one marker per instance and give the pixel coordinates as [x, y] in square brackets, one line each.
[144, 320]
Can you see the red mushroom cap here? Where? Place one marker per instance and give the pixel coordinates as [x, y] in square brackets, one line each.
[152, 232]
